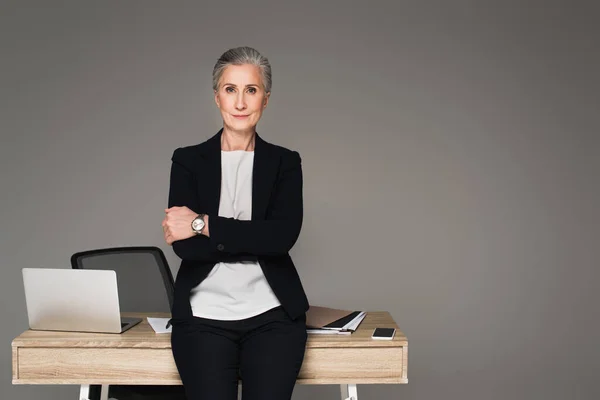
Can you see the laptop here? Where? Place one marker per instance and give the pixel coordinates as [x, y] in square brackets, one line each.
[79, 300]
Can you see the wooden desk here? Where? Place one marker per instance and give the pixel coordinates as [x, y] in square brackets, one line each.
[140, 356]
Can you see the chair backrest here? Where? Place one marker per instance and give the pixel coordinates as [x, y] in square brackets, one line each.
[144, 278]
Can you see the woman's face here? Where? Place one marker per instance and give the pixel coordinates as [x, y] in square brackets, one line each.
[241, 97]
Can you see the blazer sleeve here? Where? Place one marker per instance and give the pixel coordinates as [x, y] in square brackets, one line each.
[279, 231]
[182, 192]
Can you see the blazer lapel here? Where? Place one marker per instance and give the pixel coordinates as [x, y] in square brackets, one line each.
[264, 174]
[209, 177]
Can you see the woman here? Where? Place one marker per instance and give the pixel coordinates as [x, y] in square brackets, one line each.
[235, 211]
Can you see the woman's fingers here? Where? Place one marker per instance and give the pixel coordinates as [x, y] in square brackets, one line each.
[168, 237]
[177, 223]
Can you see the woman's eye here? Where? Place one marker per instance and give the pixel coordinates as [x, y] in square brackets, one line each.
[252, 90]
[227, 89]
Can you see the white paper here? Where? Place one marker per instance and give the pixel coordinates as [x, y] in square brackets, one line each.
[327, 331]
[353, 325]
[350, 326]
[159, 324]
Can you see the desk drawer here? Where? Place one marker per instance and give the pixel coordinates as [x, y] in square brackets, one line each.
[96, 366]
[352, 365]
[38, 365]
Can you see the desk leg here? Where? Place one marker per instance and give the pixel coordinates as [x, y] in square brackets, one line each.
[104, 392]
[349, 392]
[84, 392]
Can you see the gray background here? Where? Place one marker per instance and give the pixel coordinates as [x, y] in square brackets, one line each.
[450, 153]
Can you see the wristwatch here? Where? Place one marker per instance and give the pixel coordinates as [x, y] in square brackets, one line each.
[198, 224]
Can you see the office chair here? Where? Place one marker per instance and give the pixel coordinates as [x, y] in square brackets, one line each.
[145, 284]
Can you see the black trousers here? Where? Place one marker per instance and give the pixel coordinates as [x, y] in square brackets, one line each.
[140, 392]
[266, 351]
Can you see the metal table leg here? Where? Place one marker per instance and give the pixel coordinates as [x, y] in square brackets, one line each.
[104, 392]
[84, 392]
[349, 392]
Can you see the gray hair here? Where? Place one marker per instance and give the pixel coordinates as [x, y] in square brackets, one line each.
[240, 56]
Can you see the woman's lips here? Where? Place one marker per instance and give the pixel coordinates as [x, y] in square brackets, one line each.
[241, 116]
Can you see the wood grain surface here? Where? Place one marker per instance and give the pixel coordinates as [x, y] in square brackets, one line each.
[140, 356]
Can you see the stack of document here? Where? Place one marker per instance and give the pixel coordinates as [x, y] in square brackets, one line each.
[332, 321]
[159, 325]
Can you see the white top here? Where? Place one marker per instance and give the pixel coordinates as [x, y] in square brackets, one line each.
[236, 290]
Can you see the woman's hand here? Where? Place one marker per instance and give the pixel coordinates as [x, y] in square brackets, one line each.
[177, 224]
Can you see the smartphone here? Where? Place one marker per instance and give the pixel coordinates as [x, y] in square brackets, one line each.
[383, 333]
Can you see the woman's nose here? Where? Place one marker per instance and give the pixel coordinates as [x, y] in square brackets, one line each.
[240, 104]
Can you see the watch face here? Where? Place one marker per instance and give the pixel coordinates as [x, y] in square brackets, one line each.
[198, 224]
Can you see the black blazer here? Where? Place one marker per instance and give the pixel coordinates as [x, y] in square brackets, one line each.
[277, 213]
